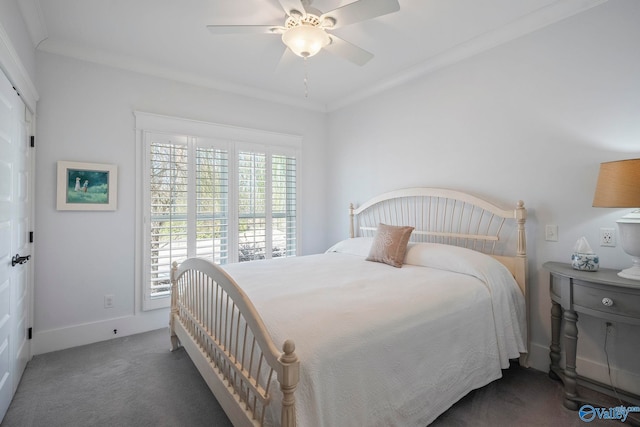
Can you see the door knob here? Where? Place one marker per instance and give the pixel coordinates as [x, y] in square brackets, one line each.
[17, 259]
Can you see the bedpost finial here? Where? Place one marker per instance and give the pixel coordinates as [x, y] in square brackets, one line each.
[521, 218]
[520, 211]
[289, 355]
[289, 347]
[174, 269]
[351, 227]
[288, 383]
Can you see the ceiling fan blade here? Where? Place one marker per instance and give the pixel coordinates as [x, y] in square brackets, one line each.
[348, 51]
[289, 5]
[360, 10]
[245, 29]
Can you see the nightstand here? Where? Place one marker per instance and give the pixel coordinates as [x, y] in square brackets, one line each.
[602, 294]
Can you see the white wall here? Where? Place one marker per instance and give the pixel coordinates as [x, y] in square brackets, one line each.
[529, 120]
[86, 114]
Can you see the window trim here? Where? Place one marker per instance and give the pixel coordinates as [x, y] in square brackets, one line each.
[231, 137]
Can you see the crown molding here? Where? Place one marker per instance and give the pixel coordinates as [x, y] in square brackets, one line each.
[137, 65]
[34, 19]
[527, 24]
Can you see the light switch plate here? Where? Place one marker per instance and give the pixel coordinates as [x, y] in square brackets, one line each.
[551, 233]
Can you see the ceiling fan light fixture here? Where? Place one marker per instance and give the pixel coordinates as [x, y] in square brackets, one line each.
[305, 40]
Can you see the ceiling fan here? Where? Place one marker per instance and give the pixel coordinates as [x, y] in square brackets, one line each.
[306, 30]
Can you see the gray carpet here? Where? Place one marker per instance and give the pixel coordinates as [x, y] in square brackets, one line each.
[525, 397]
[129, 381]
[135, 382]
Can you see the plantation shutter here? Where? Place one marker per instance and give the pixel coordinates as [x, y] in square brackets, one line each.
[168, 189]
[267, 205]
[212, 204]
[188, 205]
[219, 200]
[252, 209]
[284, 211]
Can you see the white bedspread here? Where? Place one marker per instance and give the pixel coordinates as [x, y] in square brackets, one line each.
[385, 346]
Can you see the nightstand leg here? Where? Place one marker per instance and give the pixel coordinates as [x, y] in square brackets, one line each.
[570, 375]
[554, 353]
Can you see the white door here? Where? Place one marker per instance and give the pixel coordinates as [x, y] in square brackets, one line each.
[15, 225]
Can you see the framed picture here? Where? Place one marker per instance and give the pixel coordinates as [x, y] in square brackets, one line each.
[87, 186]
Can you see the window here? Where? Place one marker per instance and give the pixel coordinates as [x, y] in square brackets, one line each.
[222, 199]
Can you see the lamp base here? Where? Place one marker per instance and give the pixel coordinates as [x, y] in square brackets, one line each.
[632, 272]
[629, 226]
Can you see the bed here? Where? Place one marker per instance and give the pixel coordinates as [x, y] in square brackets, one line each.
[341, 338]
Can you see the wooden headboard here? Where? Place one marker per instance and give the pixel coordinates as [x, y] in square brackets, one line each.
[453, 218]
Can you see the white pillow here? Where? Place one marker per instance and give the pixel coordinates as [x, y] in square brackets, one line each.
[359, 246]
[452, 258]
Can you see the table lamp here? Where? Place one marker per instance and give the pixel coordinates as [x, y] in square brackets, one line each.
[619, 187]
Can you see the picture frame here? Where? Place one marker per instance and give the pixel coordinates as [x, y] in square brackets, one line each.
[87, 186]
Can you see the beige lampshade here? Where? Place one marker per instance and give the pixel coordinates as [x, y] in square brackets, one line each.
[618, 185]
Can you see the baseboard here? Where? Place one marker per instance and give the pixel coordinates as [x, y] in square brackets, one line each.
[538, 357]
[594, 375]
[633, 399]
[88, 333]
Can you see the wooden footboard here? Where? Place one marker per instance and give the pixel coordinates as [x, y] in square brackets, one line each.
[212, 318]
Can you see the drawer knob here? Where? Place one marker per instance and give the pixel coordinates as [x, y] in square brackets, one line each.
[607, 302]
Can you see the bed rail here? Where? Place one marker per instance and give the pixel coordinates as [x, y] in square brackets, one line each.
[229, 344]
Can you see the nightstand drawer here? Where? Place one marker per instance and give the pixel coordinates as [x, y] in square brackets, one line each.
[607, 300]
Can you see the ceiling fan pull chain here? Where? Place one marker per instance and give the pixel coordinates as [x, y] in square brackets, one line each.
[306, 84]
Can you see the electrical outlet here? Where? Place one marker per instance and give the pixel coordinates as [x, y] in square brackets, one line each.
[607, 237]
[108, 301]
[551, 233]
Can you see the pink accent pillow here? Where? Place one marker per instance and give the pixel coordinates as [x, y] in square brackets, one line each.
[390, 244]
